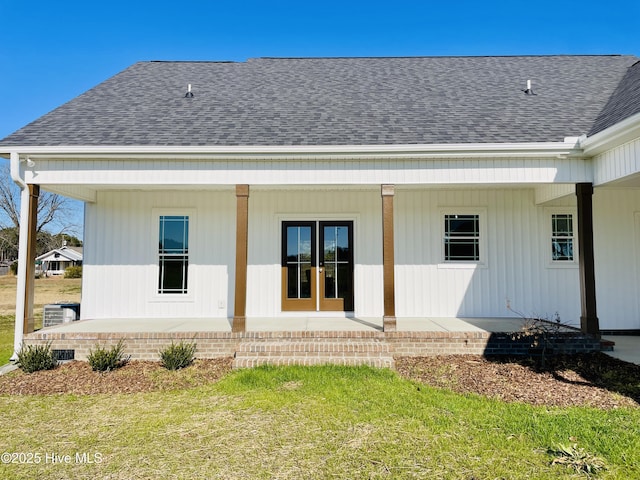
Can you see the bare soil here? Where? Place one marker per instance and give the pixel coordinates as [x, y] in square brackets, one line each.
[594, 380]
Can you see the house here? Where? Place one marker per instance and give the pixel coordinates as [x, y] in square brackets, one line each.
[388, 188]
[56, 261]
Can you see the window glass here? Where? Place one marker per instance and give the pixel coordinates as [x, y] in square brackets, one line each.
[462, 238]
[173, 253]
[562, 237]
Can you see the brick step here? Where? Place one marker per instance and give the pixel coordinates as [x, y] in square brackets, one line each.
[313, 351]
[309, 346]
[249, 362]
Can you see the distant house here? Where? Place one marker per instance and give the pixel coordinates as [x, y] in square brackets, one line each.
[431, 187]
[56, 261]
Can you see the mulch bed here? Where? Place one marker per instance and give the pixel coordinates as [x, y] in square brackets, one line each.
[595, 380]
[134, 377]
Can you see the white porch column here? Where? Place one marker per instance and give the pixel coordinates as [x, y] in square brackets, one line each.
[21, 290]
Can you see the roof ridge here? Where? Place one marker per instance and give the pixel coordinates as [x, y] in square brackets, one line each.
[189, 61]
[445, 56]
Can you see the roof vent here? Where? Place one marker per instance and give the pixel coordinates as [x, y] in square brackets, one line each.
[529, 90]
[189, 93]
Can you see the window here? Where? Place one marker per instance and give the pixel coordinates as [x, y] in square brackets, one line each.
[562, 237]
[462, 238]
[173, 254]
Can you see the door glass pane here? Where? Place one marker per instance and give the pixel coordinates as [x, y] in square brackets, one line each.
[342, 244]
[337, 262]
[299, 281]
[345, 281]
[298, 261]
[330, 281]
[298, 244]
[336, 244]
[329, 244]
[305, 280]
[292, 281]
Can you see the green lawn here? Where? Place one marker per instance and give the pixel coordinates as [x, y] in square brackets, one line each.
[7, 324]
[47, 290]
[309, 422]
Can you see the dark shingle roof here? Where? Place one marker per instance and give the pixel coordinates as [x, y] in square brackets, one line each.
[624, 102]
[340, 101]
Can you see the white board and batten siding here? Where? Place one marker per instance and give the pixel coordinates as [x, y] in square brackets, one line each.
[82, 174]
[515, 265]
[618, 163]
[120, 273]
[121, 255]
[616, 236]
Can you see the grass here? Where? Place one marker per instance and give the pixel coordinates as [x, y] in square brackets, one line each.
[315, 423]
[47, 290]
[301, 422]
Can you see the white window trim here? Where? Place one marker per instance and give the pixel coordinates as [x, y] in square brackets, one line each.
[154, 295]
[548, 232]
[482, 219]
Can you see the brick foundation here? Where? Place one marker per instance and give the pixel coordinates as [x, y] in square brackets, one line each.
[315, 347]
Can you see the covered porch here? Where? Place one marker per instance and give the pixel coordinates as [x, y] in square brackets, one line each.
[403, 283]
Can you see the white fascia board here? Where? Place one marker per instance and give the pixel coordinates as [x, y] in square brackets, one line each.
[459, 150]
[618, 134]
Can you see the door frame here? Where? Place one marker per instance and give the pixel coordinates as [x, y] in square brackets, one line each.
[316, 218]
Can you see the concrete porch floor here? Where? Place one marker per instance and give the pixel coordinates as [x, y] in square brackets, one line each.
[291, 324]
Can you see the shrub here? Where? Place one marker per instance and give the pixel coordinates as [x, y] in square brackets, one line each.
[103, 359]
[14, 268]
[73, 272]
[177, 356]
[33, 358]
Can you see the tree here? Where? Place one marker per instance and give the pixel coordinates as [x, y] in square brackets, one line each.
[54, 212]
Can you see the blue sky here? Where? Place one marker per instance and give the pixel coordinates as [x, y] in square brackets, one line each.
[51, 52]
